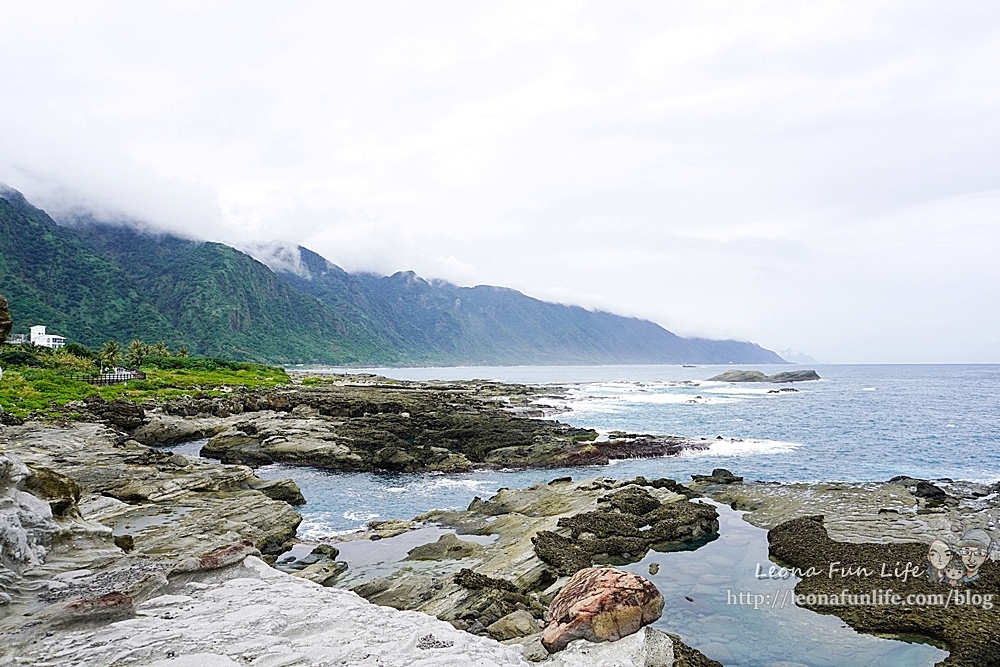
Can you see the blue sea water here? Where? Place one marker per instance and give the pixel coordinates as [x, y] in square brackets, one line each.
[857, 423]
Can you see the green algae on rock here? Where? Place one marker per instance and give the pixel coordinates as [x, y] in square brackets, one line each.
[844, 573]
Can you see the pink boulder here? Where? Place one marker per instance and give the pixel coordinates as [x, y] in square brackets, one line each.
[600, 604]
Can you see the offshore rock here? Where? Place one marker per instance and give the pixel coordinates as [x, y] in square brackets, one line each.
[718, 476]
[757, 376]
[600, 604]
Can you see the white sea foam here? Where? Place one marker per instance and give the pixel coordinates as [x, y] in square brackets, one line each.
[315, 527]
[869, 389]
[758, 390]
[680, 399]
[743, 447]
[447, 483]
[395, 489]
[361, 516]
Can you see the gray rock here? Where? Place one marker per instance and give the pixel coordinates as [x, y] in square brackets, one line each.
[718, 476]
[758, 376]
[519, 623]
[5, 319]
[285, 490]
[448, 547]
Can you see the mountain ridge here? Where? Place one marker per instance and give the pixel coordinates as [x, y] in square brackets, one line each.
[93, 281]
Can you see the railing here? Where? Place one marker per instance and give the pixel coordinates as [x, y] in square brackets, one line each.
[105, 379]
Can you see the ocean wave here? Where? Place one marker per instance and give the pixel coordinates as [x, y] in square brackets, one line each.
[450, 483]
[316, 526]
[759, 390]
[680, 399]
[743, 447]
[360, 516]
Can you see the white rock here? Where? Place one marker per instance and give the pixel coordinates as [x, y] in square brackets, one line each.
[647, 648]
[256, 615]
[26, 525]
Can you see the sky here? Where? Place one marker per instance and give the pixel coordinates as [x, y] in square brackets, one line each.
[820, 176]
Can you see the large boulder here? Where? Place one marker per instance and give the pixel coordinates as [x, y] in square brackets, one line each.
[5, 320]
[600, 604]
[118, 413]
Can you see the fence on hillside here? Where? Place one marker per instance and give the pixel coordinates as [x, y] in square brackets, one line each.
[104, 379]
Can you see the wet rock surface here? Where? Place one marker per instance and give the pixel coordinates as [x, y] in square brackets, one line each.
[479, 584]
[718, 476]
[626, 525]
[866, 525]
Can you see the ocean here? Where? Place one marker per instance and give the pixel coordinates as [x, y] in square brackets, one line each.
[858, 423]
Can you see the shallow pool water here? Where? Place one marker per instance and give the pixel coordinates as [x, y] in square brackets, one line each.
[701, 591]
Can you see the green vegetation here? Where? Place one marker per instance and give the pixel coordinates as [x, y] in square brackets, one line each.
[37, 381]
[94, 282]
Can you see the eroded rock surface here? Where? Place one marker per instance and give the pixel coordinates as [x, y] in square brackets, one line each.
[477, 585]
[93, 523]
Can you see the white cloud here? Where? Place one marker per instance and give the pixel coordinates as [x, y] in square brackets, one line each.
[819, 176]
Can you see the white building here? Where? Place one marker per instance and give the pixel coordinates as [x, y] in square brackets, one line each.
[39, 337]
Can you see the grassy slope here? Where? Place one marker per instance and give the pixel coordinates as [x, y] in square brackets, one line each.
[37, 391]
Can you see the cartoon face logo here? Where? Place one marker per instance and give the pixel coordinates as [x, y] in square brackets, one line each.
[974, 548]
[954, 571]
[939, 555]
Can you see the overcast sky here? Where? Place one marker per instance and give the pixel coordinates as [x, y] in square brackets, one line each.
[807, 175]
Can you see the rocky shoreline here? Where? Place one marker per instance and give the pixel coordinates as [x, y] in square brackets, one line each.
[368, 423]
[116, 550]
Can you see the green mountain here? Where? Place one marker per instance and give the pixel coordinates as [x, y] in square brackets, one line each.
[437, 322]
[50, 278]
[225, 303]
[94, 282]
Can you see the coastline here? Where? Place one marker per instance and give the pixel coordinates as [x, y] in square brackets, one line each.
[123, 516]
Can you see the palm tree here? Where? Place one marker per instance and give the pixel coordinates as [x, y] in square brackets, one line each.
[160, 350]
[110, 355]
[182, 352]
[136, 353]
